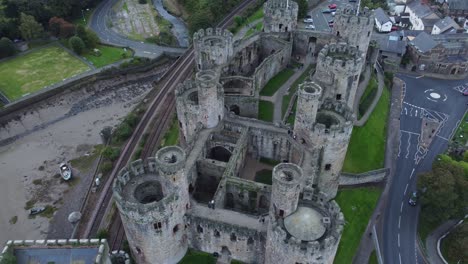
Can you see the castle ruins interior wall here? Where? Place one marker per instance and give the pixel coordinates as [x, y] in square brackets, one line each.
[307, 44]
[246, 245]
[247, 197]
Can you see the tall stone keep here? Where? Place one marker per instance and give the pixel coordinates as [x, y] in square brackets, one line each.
[152, 201]
[280, 16]
[338, 69]
[354, 28]
[285, 189]
[213, 48]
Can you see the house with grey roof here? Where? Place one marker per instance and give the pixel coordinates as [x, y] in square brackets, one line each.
[445, 25]
[444, 54]
[382, 21]
[422, 17]
[391, 51]
[457, 8]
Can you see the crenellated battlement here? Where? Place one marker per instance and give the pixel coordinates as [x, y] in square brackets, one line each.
[201, 35]
[273, 5]
[287, 174]
[310, 91]
[207, 79]
[184, 86]
[339, 108]
[340, 58]
[170, 160]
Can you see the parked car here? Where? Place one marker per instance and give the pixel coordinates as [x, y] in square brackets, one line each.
[394, 28]
[413, 200]
[326, 10]
[333, 13]
[308, 20]
[465, 93]
[331, 21]
[310, 27]
[308, 16]
[332, 6]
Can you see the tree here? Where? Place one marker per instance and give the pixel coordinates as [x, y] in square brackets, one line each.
[60, 27]
[7, 48]
[303, 6]
[77, 44]
[89, 38]
[29, 27]
[457, 244]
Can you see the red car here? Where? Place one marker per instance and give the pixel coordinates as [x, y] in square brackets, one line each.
[332, 6]
[394, 28]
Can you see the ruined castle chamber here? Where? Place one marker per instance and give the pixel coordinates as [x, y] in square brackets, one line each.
[307, 44]
[152, 200]
[280, 16]
[256, 60]
[354, 28]
[337, 72]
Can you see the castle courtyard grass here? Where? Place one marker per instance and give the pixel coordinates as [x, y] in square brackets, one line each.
[366, 148]
[357, 205]
[197, 257]
[276, 82]
[33, 71]
[265, 110]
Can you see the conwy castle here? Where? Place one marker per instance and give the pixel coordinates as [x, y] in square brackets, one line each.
[203, 194]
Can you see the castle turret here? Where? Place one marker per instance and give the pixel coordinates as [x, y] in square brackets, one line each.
[280, 16]
[152, 203]
[213, 47]
[311, 234]
[354, 28]
[308, 96]
[210, 97]
[337, 72]
[285, 189]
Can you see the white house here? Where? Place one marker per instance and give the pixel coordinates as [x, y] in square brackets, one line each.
[382, 21]
[421, 16]
[446, 25]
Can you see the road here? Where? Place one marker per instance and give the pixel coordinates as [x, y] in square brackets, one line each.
[436, 99]
[99, 23]
[321, 19]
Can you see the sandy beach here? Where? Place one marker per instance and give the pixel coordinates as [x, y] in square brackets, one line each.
[59, 130]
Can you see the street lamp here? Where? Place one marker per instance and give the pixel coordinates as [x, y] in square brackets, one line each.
[82, 14]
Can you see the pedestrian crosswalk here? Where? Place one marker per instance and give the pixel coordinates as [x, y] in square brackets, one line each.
[463, 88]
[420, 112]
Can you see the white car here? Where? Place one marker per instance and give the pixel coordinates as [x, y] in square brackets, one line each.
[308, 20]
[310, 27]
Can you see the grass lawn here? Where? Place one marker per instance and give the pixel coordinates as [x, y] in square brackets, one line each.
[461, 136]
[367, 145]
[368, 96]
[258, 27]
[265, 110]
[197, 257]
[373, 258]
[276, 82]
[84, 163]
[108, 56]
[30, 72]
[255, 16]
[264, 176]
[357, 206]
[172, 135]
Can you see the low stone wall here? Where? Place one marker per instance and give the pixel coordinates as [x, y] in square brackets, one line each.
[102, 257]
[75, 84]
[349, 179]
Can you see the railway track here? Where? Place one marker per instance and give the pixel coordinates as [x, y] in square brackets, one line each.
[164, 100]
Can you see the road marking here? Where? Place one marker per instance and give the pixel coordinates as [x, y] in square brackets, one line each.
[409, 132]
[406, 189]
[401, 208]
[399, 145]
[418, 78]
[408, 148]
[398, 240]
[442, 138]
[399, 256]
[411, 175]
[399, 222]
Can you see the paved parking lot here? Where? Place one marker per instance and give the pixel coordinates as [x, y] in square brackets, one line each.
[321, 19]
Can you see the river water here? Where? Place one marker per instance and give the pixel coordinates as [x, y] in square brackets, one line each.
[179, 28]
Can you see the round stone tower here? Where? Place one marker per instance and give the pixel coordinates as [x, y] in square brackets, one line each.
[210, 97]
[354, 28]
[330, 134]
[311, 234]
[338, 69]
[285, 189]
[213, 47]
[280, 16]
[152, 202]
[308, 100]
[188, 109]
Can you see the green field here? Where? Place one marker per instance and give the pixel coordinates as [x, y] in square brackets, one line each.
[197, 257]
[108, 55]
[357, 206]
[276, 82]
[265, 110]
[171, 137]
[30, 72]
[366, 148]
[461, 136]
